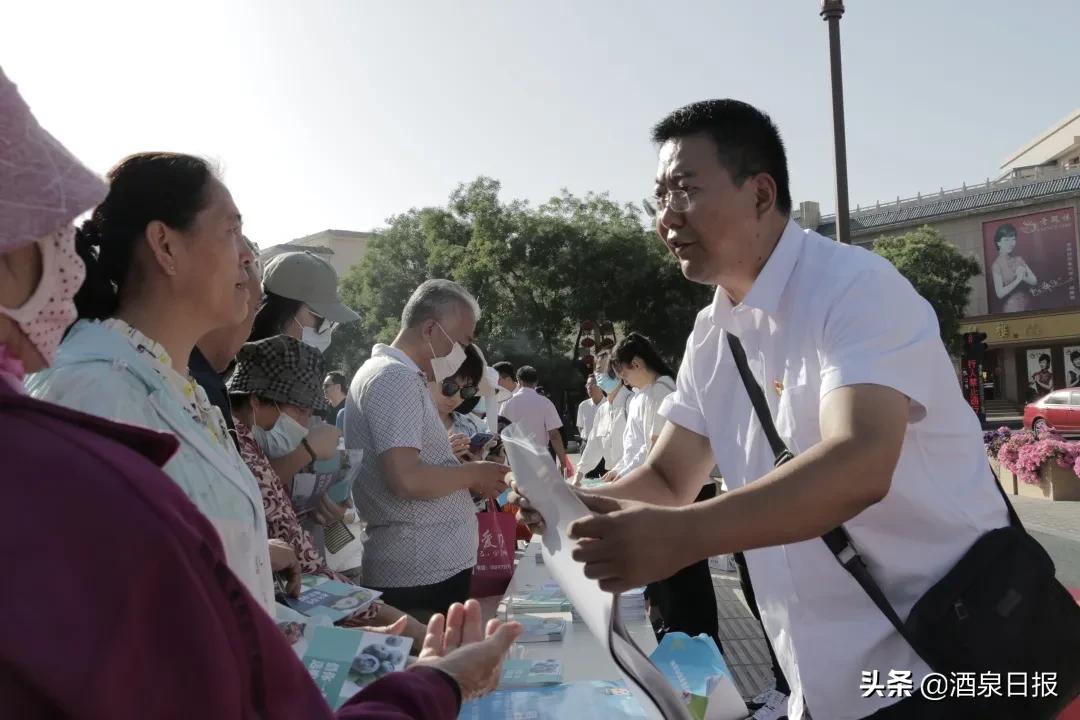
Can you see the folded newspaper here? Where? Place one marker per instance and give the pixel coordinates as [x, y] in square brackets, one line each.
[540, 481]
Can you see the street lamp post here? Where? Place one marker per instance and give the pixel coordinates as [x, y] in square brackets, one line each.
[831, 12]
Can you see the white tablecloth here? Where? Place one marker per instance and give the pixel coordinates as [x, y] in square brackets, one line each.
[581, 654]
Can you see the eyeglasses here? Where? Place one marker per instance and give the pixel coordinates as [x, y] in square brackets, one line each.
[451, 388]
[676, 200]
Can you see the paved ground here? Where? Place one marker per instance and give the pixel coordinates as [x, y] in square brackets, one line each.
[1054, 524]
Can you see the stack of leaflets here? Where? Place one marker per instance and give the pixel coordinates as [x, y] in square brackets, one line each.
[610, 700]
[652, 694]
[525, 672]
[343, 660]
[548, 597]
[631, 606]
[541, 629]
[322, 597]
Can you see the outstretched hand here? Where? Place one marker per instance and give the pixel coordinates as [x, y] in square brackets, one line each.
[458, 645]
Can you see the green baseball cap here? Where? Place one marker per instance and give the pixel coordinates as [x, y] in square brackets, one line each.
[306, 277]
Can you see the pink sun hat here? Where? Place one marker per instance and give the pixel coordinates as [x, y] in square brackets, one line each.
[43, 187]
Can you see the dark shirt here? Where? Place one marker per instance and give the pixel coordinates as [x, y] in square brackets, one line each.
[214, 386]
[330, 415]
[145, 621]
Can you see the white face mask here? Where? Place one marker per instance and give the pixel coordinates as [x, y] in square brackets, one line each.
[447, 365]
[319, 341]
[282, 439]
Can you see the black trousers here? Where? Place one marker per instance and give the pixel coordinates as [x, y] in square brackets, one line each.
[686, 601]
[751, 600]
[423, 601]
[598, 471]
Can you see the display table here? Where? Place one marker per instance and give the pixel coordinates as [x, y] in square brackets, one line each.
[581, 654]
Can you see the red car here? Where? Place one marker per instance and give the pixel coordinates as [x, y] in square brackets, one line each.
[1060, 410]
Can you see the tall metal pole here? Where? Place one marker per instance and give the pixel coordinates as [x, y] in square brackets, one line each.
[831, 12]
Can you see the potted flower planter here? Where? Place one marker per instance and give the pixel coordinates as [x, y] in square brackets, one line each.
[1055, 483]
[1063, 482]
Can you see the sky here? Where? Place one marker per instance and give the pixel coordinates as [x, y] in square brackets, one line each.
[341, 113]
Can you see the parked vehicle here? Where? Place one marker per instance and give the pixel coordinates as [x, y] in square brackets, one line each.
[1059, 410]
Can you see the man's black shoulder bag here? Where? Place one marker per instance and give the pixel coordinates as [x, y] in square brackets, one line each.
[998, 610]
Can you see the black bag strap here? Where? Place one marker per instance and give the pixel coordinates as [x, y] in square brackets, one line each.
[836, 539]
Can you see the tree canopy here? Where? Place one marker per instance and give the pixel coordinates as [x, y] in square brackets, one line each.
[537, 272]
[939, 272]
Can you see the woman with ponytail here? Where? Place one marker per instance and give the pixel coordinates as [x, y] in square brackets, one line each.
[166, 264]
[639, 365]
[684, 602]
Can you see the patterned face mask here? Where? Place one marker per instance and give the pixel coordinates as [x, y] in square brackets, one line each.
[51, 308]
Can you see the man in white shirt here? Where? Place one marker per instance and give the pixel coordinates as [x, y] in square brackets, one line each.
[862, 391]
[536, 415]
[506, 375]
[410, 489]
[586, 409]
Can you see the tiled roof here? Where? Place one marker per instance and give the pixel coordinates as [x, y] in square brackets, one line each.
[866, 221]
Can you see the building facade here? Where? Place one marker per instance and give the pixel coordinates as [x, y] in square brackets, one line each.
[1022, 229]
[341, 248]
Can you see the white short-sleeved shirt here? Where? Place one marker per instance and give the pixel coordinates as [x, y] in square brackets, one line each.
[643, 422]
[533, 413]
[605, 442]
[586, 413]
[411, 541]
[822, 315]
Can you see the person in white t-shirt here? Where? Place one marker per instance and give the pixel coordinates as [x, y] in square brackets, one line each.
[862, 391]
[638, 364]
[537, 416]
[586, 410]
[605, 441]
[685, 601]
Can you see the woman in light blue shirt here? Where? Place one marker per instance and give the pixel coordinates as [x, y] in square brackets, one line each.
[166, 263]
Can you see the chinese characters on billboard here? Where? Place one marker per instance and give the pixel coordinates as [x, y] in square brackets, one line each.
[1031, 262]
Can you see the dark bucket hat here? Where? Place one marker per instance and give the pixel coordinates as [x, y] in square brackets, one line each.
[283, 369]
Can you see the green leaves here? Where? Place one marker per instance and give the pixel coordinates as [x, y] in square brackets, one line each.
[938, 271]
[536, 271]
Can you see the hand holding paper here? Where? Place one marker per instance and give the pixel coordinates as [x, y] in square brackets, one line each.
[626, 544]
[537, 478]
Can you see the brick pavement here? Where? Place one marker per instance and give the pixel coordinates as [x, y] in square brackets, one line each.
[1055, 524]
[1060, 518]
[744, 642]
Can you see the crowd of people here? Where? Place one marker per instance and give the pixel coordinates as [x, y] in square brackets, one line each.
[162, 396]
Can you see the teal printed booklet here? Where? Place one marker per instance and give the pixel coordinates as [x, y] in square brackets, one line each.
[549, 597]
[342, 660]
[541, 629]
[528, 672]
[696, 669]
[606, 699]
[331, 599]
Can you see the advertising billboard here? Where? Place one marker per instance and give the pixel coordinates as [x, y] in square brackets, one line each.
[1031, 262]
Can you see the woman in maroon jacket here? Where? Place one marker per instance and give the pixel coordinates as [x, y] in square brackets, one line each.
[117, 601]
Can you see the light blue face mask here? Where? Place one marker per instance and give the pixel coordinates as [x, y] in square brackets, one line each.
[282, 439]
[607, 383]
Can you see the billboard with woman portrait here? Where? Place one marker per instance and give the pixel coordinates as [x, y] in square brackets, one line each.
[1031, 262]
